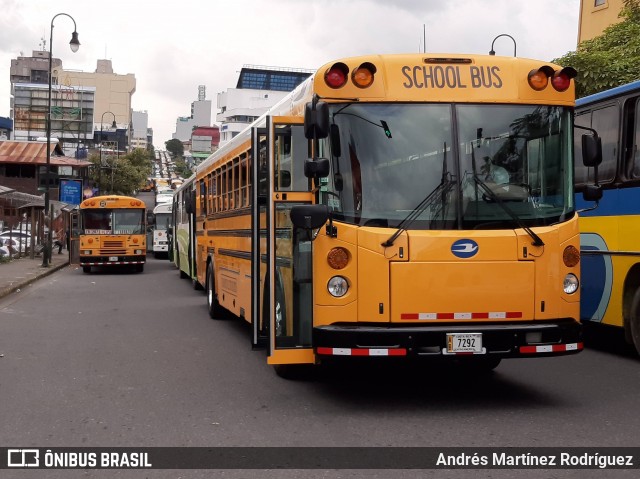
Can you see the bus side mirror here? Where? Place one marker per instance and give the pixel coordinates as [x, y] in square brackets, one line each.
[591, 150]
[316, 120]
[309, 217]
[592, 193]
[318, 168]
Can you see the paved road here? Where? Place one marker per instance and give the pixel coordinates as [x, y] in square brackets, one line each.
[119, 359]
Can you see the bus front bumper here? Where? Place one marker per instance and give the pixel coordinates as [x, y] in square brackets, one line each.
[504, 340]
[111, 260]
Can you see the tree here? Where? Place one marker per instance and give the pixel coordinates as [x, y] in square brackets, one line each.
[611, 59]
[175, 147]
[122, 174]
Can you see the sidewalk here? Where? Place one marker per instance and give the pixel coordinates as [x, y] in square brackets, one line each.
[18, 273]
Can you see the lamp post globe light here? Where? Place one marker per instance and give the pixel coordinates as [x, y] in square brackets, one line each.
[100, 166]
[74, 44]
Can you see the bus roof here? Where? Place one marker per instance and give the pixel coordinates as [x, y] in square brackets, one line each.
[162, 208]
[612, 93]
[416, 77]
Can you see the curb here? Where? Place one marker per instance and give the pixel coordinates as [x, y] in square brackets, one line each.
[45, 272]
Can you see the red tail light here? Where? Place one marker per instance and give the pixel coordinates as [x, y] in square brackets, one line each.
[336, 76]
[562, 79]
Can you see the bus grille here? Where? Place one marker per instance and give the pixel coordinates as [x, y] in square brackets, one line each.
[112, 244]
[112, 247]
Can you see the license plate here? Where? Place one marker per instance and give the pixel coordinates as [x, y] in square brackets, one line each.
[113, 258]
[465, 343]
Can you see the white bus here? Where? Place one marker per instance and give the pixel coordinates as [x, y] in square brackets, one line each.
[161, 221]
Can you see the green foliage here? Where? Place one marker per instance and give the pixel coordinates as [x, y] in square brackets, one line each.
[121, 174]
[175, 147]
[182, 169]
[610, 60]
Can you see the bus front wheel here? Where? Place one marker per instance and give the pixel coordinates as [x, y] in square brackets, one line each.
[634, 321]
[86, 269]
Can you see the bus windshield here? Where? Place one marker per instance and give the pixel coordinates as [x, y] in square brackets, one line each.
[113, 221]
[162, 221]
[451, 166]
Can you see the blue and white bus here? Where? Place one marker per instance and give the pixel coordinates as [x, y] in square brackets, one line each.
[610, 233]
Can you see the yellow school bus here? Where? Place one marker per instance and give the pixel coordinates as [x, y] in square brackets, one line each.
[112, 232]
[396, 206]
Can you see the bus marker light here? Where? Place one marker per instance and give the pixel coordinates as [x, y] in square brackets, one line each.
[336, 76]
[571, 256]
[539, 79]
[338, 258]
[561, 79]
[362, 76]
[90, 240]
[570, 284]
[338, 286]
[135, 240]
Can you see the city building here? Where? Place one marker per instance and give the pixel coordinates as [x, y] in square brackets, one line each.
[204, 141]
[80, 101]
[113, 97]
[23, 170]
[596, 16]
[71, 114]
[258, 89]
[139, 130]
[200, 116]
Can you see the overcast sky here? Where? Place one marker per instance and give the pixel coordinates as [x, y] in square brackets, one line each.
[172, 47]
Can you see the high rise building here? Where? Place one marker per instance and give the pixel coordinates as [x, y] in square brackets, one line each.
[79, 102]
[258, 89]
[200, 116]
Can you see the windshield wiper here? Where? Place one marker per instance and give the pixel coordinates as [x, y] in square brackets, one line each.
[537, 241]
[442, 189]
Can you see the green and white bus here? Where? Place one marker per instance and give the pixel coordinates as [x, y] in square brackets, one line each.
[182, 232]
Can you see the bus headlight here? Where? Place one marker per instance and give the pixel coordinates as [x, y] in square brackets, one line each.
[338, 286]
[571, 283]
[138, 251]
[86, 252]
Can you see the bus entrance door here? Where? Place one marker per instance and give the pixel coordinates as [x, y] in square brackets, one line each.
[287, 300]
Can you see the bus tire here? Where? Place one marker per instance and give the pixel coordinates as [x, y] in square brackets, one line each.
[86, 269]
[183, 275]
[196, 284]
[139, 268]
[634, 321]
[215, 310]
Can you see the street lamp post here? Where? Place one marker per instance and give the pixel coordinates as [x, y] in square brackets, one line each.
[74, 44]
[113, 125]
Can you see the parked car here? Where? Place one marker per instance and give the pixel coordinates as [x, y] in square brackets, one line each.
[21, 242]
[12, 246]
